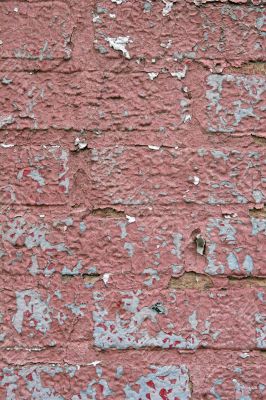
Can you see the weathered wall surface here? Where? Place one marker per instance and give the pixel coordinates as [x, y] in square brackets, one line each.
[133, 191]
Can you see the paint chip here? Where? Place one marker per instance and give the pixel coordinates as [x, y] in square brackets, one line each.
[187, 118]
[167, 8]
[94, 363]
[118, 1]
[7, 145]
[119, 43]
[152, 147]
[130, 219]
[196, 180]
[201, 243]
[179, 74]
[106, 277]
[159, 308]
[153, 75]
[244, 355]
[80, 144]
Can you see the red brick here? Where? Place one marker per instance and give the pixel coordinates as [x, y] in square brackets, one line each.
[46, 35]
[111, 104]
[38, 314]
[144, 253]
[43, 170]
[219, 34]
[224, 375]
[181, 320]
[148, 176]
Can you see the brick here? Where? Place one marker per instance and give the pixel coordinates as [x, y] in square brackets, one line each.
[46, 36]
[235, 103]
[44, 170]
[31, 22]
[182, 320]
[150, 176]
[98, 103]
[53, 175]
[141, 375]
[38, 314]
[48, 315]
[156, 33]
[43, 101]
[163, 108]
[144, 253]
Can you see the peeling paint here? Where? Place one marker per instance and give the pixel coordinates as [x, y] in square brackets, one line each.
[119, 43]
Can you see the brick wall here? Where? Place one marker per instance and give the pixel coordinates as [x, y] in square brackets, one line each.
[133, 220]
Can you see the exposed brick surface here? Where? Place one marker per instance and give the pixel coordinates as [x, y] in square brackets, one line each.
[132, 200]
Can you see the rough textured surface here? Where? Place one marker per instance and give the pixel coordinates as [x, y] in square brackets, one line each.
[132, 200]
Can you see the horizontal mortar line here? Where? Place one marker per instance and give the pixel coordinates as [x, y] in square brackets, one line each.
[90, 363]
[217, 2]
[41, 279]
[158, 212]
[178, 147]
[229, 135]
[229, 290]
[12, 205]
[184, 351]
[229, 287]
[204, 5]
[155, 350]
[56, 69]
[84, 274]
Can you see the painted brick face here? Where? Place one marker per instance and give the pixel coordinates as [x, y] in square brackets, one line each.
[132, 200]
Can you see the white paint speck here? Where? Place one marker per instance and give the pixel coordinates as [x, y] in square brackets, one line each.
[106, 277]
[15, 9]
[230, 215]
[244, 355]
[1, 42]
[152, 147]
[6, 145]
[94, 363]
[167, 8]
[187, 118]
[180, 74]
[130, 219]
[80, 144]
[119, 43]
[153, 75]
[118, 1]
[196, 180]
[6, 120]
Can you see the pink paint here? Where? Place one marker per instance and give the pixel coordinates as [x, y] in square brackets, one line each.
[132, 222]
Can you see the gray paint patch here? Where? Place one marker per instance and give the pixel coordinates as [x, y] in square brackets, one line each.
[37, 308]
[173, 380]
[177, 240]
[130, 248]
